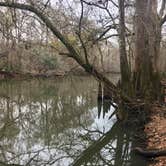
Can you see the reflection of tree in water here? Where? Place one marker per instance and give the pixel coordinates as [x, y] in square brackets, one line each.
[104, 101]
[48, 123]
[112, 148]
[41, 113]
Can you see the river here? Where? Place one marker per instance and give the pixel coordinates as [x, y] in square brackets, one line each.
[53, 121]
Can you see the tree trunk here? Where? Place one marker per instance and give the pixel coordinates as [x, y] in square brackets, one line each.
[124, 66]
[147, 46]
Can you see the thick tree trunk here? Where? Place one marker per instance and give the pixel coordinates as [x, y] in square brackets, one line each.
[124, 66]
[147, 46]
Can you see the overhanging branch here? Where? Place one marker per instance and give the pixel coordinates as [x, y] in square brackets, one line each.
[118, 96]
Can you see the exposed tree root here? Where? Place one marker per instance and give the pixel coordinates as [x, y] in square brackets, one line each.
[150, 153]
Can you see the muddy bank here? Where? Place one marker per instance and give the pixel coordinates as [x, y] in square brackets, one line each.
[150, 138]
[155, 130]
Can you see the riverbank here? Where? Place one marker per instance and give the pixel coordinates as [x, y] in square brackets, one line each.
[17, 75]
[155, 130]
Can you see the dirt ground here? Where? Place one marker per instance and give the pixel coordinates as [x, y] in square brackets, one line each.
[156, 131]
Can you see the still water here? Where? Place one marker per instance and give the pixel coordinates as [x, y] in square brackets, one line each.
[60, 123]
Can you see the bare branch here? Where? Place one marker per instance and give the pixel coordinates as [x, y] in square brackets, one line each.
[81, 17]
[102, 7]
[116, 5]
[104, 33]
[94, 4]
[116, 35]
[47, 3]
[107, 37]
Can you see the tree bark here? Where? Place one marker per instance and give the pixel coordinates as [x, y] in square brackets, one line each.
[147, 46]
[124, 66]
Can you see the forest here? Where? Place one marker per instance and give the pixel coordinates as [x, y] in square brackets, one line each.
[82, 82]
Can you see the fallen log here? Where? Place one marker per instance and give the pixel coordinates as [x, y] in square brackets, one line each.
[149, 153]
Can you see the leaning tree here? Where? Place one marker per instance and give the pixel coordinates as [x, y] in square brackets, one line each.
[145, 80]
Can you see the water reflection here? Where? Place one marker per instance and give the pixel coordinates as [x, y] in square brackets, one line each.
[54, 122]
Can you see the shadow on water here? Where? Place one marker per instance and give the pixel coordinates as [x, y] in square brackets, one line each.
[60, 123]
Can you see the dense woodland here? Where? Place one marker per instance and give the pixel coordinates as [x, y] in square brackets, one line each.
[62, 37]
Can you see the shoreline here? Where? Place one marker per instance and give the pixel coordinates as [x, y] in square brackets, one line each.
[155, 130]
[16, 75]
[154, 149]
